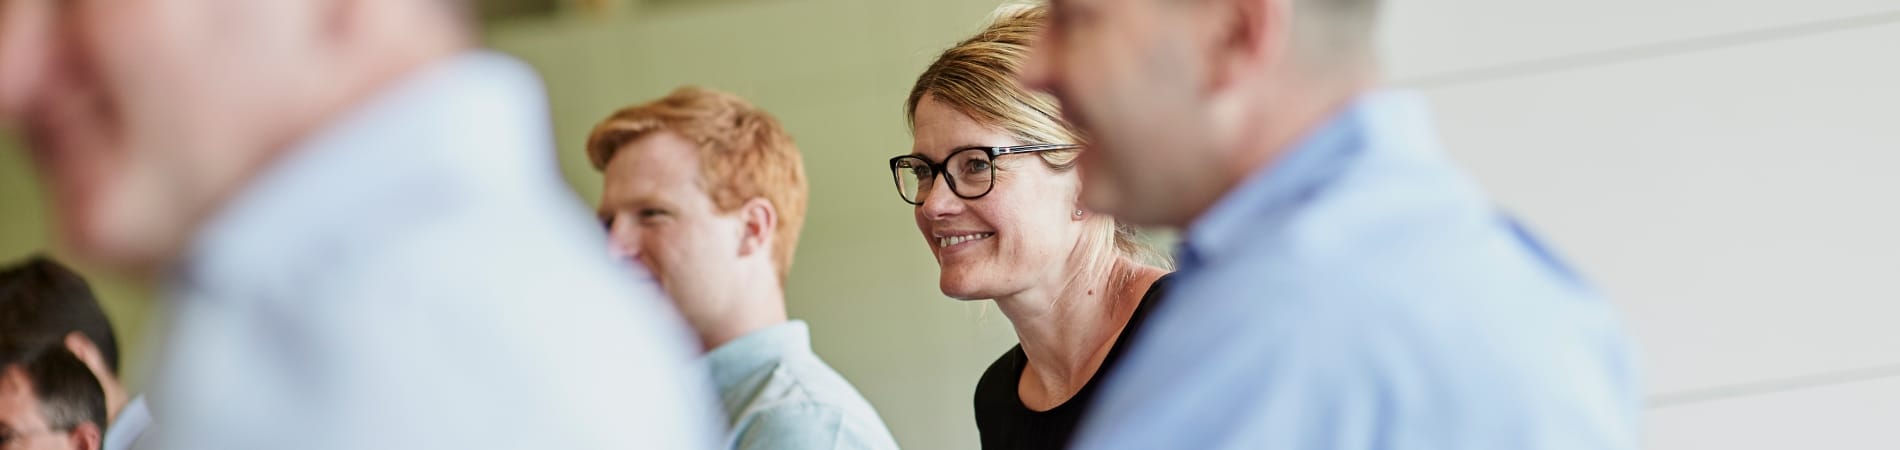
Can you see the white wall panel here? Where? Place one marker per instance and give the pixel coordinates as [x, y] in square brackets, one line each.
[1434, 37]
[1857, 416]
[1741, 205]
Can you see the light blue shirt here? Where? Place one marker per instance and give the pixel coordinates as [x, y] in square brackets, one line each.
[1363, 293]
[779, 396]
[126, 431]
[415, 275]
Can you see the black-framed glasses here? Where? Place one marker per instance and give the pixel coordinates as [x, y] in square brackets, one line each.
[969, 171]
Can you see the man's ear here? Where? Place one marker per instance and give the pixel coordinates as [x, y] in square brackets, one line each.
[759, 226]
[1248, 36]
[86, 436]
[88, 352]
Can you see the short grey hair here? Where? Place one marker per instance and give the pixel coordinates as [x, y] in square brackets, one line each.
[68, 394]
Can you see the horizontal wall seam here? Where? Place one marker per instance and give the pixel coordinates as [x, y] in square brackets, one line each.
[1647, 51]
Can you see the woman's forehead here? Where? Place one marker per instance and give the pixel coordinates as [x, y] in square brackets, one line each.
[937, 137]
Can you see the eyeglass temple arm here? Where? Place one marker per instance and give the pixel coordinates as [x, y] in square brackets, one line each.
[999, 151]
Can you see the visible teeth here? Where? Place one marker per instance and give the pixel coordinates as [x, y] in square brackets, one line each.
[954, 240]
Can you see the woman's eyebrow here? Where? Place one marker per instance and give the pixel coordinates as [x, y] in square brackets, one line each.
[954, 150]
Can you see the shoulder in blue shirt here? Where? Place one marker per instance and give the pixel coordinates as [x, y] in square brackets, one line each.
[1363, 293]
[779, 395]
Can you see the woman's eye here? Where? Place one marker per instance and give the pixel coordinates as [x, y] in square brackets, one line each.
[976, 167]
[607, 223]
[649, 213]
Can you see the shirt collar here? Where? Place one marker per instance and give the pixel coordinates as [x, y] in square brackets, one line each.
[737, 360]
[132, 421]
[1271, 191]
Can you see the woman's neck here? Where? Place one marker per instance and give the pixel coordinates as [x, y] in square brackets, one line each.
[1067, 328]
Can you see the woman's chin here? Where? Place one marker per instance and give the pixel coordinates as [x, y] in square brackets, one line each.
[961, 289]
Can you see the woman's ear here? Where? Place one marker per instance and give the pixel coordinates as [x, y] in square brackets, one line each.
[758, 227]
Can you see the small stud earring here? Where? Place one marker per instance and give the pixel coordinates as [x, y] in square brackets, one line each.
[1078, 213]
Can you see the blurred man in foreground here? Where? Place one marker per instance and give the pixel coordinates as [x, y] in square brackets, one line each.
[1342, 284]
[44, 305]
[706, 193]
[361, 223]
[49, 401]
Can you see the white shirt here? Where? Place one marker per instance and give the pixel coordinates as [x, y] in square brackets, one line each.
[416, 275]
[131, 424]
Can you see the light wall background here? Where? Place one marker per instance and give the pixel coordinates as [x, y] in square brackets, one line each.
[1729, 171]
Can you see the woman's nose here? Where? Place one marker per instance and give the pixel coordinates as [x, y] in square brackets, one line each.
[938, 201]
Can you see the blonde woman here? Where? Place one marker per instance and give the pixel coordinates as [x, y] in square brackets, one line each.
[992, 177]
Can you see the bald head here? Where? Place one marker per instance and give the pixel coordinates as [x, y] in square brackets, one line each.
[1223, 85]
[1323, 32]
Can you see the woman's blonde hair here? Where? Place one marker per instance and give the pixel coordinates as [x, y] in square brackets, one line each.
[977, 77]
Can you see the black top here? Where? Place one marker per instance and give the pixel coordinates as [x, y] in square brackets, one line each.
[1005, 423]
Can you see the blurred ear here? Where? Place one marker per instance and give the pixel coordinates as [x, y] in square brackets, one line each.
[86, 436]
[88, 352]
[759, 228]
[1250, 36]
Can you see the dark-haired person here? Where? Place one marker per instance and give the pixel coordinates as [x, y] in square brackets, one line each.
[49, 401]
[46, 305]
